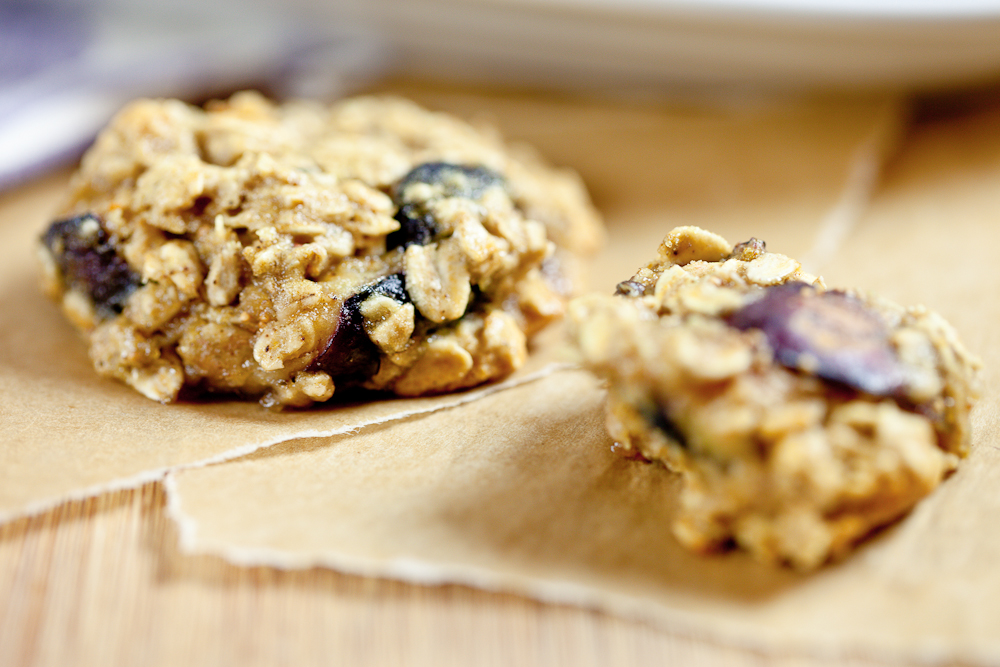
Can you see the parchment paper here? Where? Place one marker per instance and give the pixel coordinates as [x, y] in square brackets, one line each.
[528, 496]
[783, 167]
[67, 433]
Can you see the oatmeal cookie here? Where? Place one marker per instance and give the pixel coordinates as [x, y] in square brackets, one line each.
[799, 417]
[281, 251]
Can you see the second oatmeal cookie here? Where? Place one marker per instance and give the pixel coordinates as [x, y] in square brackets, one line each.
[799, 417]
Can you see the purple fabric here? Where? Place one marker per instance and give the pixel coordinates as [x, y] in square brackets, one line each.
[35, 37]
[67, 65]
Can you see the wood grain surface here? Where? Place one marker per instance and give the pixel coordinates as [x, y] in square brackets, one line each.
[101, 582]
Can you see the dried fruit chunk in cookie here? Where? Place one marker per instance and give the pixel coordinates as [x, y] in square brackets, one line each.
[417, 193]
[800, 418]
[89, 264]
[283, 251]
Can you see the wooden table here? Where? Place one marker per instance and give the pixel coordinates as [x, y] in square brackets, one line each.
[101, 582]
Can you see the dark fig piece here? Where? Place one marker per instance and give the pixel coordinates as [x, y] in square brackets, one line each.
[416, 224]
[658, 416]
[414, 229]
[454, 180]
[350, 354]
[89, 262]
[392, 286]
[662, 421]
[829, 334]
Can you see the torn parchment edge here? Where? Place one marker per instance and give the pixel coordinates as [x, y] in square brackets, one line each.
[697, 625]
[158, 474]
[863, 176]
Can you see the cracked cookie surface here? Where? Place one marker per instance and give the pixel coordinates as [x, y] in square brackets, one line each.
[800, 418]
[282, 251]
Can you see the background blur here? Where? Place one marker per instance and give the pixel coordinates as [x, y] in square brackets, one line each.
[67, 65]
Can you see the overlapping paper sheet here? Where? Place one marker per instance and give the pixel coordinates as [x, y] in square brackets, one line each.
[521, 491]
[66, 433]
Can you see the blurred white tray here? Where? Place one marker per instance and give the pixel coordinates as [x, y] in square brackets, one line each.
[784, 44]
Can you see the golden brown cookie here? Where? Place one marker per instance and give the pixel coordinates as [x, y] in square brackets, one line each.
[282, 251]
[799, 417]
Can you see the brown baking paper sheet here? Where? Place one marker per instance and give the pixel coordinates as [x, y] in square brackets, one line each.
[67, 433]
[526, 495]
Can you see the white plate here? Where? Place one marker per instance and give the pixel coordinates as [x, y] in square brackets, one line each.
[783, 44]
